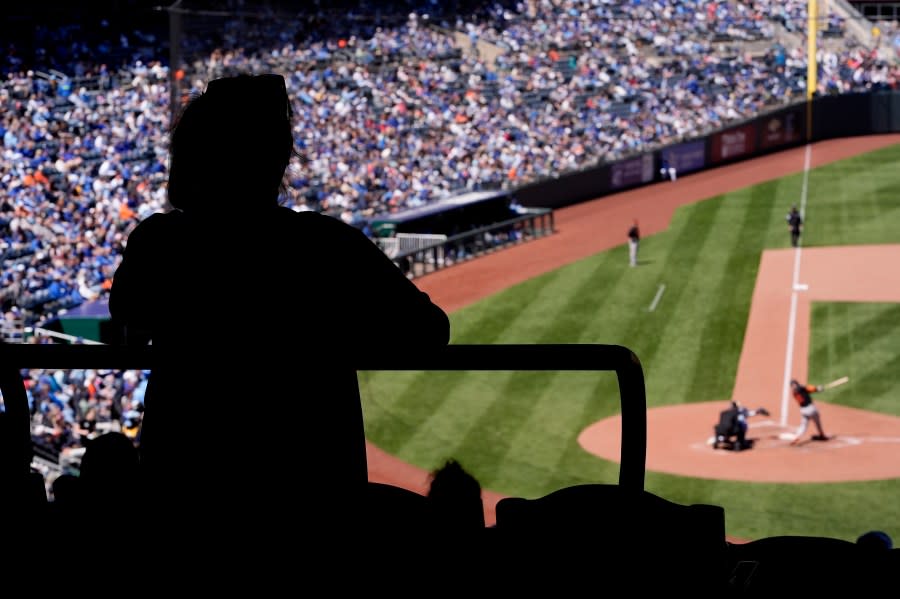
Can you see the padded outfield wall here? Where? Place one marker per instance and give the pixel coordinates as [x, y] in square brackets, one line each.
[831, 116]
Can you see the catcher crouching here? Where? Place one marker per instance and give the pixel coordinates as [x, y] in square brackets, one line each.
[731, 431]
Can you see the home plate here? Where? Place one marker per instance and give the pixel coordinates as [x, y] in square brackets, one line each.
[787, 436]
[801, 287]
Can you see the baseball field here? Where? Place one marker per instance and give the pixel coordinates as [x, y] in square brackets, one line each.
[720, 307]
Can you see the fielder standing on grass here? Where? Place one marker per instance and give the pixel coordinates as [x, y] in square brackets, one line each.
[808, 410]
[795, 225]
[634, 239]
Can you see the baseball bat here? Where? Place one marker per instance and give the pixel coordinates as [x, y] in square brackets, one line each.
[836, 382]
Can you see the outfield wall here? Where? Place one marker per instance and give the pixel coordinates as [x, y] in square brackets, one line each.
[831, 116]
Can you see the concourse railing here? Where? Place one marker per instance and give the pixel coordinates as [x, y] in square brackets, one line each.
[493, 357]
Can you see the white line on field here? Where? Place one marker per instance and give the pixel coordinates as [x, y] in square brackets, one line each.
[659, 292]
[807, 159]
[792, 318]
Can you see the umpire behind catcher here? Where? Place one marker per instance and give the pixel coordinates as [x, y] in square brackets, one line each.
[731, 431]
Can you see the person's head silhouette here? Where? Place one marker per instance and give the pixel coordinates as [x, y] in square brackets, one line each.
[231, 145]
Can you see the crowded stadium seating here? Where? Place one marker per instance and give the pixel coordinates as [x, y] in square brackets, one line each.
[392, 113]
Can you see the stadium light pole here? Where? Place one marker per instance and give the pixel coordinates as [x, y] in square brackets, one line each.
[174, 11]
[175, 58]
[812, 65]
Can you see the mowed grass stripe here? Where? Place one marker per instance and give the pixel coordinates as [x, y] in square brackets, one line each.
[878, 386]
[671, 332]
[396, 413]
[555, 415]
[722, 332]
[517, 393]
[565, 409]
[858, 340]
[560, 398]
[472, 397]
[854, 202]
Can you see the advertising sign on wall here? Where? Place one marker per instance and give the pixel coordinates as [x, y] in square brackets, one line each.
[633, 171]
[733, 143]
[687, 157]
[779, 130]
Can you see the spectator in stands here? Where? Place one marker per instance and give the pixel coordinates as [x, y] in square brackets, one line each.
[455, 497]
[875, 540]
[66, 498]
[108, 486]
[175, 286]
[668, 171]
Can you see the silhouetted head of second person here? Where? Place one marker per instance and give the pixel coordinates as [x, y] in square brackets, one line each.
[230, 146]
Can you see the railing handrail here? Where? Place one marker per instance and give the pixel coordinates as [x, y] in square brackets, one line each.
[510, 357]
[531, 215]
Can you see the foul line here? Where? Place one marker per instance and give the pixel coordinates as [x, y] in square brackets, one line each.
[792, 319]
[662, 287]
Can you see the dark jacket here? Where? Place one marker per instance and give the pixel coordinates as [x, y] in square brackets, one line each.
[257, 318]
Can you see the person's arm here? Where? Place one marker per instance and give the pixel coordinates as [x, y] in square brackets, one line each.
[406, 314]
[130, 298]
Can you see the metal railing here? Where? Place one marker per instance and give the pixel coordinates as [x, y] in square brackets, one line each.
[512, 357]
[533, 223]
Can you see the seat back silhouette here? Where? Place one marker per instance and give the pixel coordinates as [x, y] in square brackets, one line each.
[534, 540]
[769, 566]
[584, 532]
[603, 530]
[393, 510]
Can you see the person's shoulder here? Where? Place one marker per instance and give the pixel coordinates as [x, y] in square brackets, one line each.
[311, 217]
[158, 223]
[164, 219]
[325, 224]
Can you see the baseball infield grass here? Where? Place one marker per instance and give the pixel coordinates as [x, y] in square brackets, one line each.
[517, 431]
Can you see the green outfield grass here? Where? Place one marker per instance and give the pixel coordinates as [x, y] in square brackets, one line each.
[517, 431]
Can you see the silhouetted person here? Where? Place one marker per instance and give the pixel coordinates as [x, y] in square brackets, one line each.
[22, 487]
[795, 225]
[455, 497]
[875, 540]
[255, 313]
[65, 506]
[108, 478]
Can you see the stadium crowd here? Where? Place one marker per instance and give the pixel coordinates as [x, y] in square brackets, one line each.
[391, 114]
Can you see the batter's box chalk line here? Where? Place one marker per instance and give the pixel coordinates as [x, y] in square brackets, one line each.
[835, 442]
